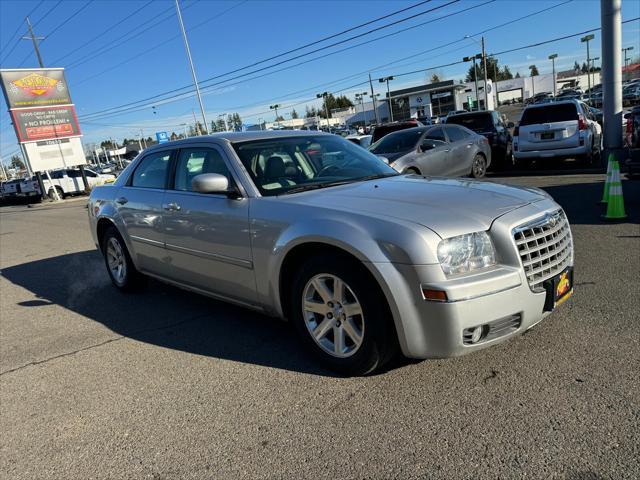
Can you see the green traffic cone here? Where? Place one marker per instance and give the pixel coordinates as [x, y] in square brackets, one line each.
[615, 205]
[605, 194]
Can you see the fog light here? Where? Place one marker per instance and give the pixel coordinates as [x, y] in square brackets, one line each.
[476, 334]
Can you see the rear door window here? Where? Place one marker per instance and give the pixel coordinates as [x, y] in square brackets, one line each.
[560, 112]
[436, 134]
[456, 134]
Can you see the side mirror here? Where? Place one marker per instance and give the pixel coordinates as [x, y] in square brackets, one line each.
[210, 183]
[511, 125]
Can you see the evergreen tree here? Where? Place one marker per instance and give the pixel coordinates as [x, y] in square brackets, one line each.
[534, 70]
[435, 78]
[16, 162]
[294, 114]
[517, 75]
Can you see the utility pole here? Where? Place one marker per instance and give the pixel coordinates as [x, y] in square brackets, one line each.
[193, 70]
[387, 79]
[553, 57]
[610, 19]
[586, 40]
[360, 97]
[592, 71]
[373, 98]
[144, 141]
[484, 62]
[625, 50]
[43, 193]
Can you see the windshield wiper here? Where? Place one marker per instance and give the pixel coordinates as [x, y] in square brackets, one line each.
[376, 176]
[315, 186]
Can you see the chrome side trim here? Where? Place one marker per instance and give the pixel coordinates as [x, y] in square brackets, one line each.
[211, 256]
[148, 241]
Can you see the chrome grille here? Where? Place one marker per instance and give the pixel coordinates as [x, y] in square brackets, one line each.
[545, 247]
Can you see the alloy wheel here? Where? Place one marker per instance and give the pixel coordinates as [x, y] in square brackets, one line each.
[479, 167]
[333, 315]
[116, 261]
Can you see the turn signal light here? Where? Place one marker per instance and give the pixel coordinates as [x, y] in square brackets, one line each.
[582, 125]
[434, 295]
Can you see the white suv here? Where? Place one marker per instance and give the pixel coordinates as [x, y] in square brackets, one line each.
[69, 181]
[564, 129]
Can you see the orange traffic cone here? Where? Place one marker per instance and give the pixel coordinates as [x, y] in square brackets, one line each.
[615, 205]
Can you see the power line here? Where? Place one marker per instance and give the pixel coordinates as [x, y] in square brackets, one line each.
[17, 40]
[128, 37]
[158, 45]
[109, 29]
[281, 62]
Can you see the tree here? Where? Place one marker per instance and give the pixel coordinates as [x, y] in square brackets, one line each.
[435, 78]
[234, 122]
[16, 163]
[279, 118]
[310, 112]
[332, 103]
[294, 114]
[220, 125]
[505, 74]
[576, 66]
[584, 68]
[534, 70]
[517, 74]
[494, 72]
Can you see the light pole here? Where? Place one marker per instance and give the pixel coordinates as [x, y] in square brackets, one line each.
[383, 80]
[592, 70]
[553, 57]
[324, 96]
[475, 76]
[484, 66]
[624, 51]
[533, 80]
[193, 70]
[360, 97]
[586, 40]
[275, 107]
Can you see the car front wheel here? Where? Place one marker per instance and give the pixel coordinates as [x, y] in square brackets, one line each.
[121, 269]
[342, 316]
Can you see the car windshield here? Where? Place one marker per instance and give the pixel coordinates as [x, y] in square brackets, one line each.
[476, 122]
[559, 112]
[293, 164]
[397, 142]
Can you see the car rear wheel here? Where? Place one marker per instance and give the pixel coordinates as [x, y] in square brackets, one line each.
[479, 166]
[121, 269]
[341, 316]
[51, 193]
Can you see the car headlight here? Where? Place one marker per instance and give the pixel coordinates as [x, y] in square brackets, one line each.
[466, 253]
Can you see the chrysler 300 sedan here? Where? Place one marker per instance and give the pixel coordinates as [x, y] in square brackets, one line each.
[316, 230]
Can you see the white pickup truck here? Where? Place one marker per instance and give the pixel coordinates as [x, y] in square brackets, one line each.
[69, 181]
[19, 188]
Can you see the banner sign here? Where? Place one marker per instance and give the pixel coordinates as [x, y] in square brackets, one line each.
[35, 87]
[52, 154]
[34, 124]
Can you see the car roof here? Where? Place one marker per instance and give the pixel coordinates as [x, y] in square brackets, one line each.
[237, 137]
[470, 114]
[423, 128]
[572, 101]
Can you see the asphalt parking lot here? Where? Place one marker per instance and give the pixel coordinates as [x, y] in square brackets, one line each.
[167, 384]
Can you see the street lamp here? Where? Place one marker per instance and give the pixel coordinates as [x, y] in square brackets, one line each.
[475, 74]
[373, 98]
[360, 97]
[592, 70]
[484, 66]
[324, 96]
[624, 51]
[388, 79]
[553, 57]
[586, 39]
[275, 107]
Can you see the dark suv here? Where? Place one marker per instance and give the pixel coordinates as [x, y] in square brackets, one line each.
[489, 124]
[386, 128]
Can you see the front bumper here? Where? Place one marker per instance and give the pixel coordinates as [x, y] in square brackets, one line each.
[499, 296]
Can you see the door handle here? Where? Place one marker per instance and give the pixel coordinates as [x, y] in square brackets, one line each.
[469, 145]
[447, 150]
[172, 206]
[121, 200]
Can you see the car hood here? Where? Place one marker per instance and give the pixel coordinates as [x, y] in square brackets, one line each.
[447, 206]
[392, 157]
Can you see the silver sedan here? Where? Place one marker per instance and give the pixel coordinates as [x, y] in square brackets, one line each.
[443, 150]
[314, 229]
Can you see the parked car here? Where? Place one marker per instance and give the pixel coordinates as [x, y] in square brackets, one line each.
[385, 128]
[68, 181]
[489, 124]
[20, 188]
[363, 261]
[557, 130]
[631, 94]
[363, 140]
[442, 150]
[632, 141]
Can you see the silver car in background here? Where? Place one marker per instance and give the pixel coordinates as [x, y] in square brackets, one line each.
[442, 150]
[312, 228]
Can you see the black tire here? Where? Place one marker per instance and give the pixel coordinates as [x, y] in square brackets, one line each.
[379, 342]
[132, 280]
[60, 193]
[479, 166]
